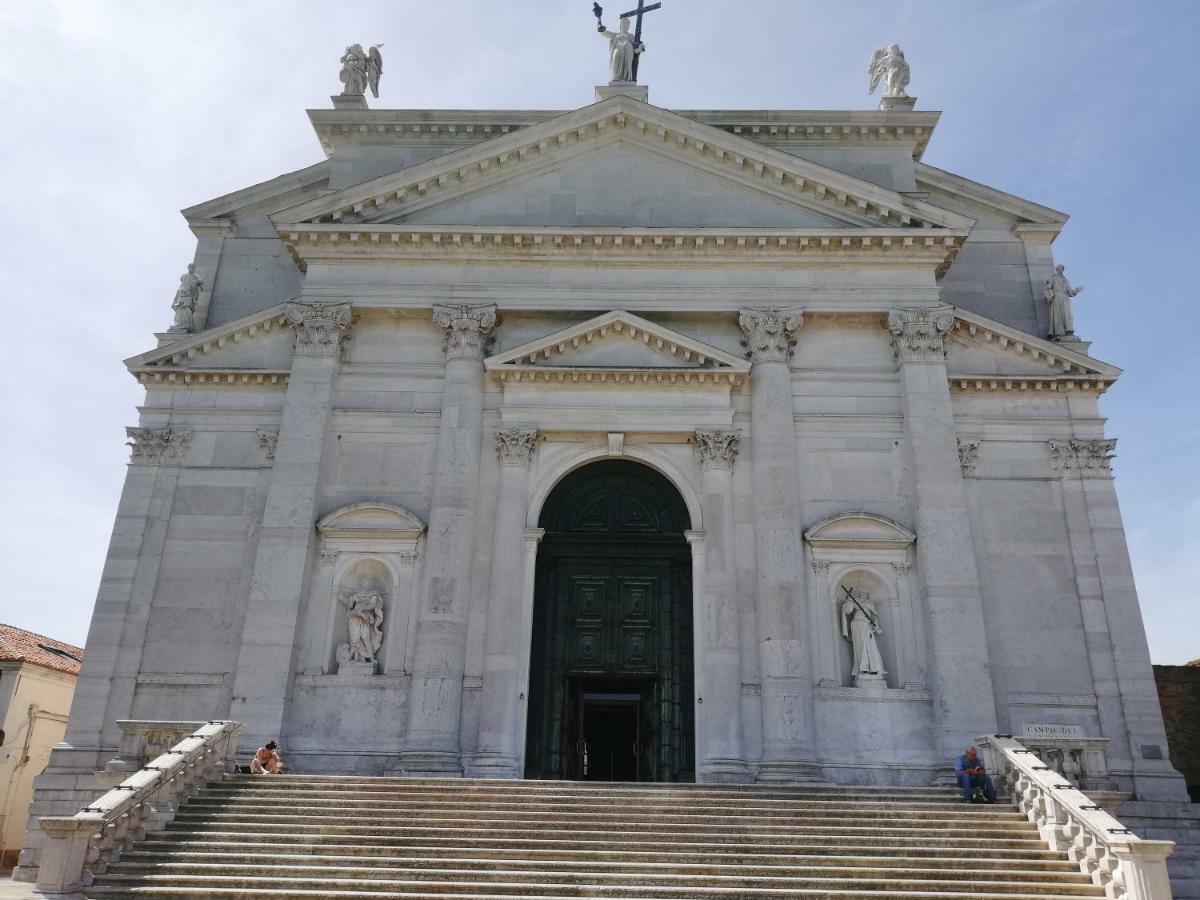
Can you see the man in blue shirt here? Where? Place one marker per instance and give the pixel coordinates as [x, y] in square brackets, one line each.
[974, 780]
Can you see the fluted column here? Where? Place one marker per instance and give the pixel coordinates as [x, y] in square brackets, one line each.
[784, 653]
[498, 755]
[724, 758]
[264, 667]
[435, 700]
[963, 701]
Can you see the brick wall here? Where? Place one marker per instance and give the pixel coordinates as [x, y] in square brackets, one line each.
[1179, 694]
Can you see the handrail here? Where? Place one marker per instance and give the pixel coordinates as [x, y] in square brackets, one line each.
[81, 846]
[1115, 858]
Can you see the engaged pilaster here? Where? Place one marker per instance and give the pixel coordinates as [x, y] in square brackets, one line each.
[436, 698]
[498, 754]
[784, 654]
[964, 704]
[280, 577]
[721, 712]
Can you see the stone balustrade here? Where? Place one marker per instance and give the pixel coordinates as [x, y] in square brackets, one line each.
[81, 846]
[142, 740]
[1069, 821]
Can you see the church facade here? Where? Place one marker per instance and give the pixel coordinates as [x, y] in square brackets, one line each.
[622, 442]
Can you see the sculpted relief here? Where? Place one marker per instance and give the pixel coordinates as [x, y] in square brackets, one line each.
[364, 624]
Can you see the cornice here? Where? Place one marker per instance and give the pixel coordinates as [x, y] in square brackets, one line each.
[218, 338]
[1009, 204]
[617, 375]
[161, 376]
[453, 128]
[1004, 384]
[664, 246]
[1005, 337]
[217, 212]
[459, 172]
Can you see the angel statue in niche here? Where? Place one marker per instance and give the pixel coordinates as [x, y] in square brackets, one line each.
[860, 626]
[889, 65]
[364, 622]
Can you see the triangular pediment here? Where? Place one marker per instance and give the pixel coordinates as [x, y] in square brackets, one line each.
[981, 351]
[618, 344]
[683, 145]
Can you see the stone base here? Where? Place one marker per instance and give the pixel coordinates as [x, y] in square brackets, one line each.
[725, 771]
[623, 89]
[493, 765]
[903, 104]
[349, 101]
[789, 771]
[870, 682]
[1071, 342]
[429, 764]
[358, 668]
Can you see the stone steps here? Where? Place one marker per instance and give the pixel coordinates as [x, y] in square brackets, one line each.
[300, 836]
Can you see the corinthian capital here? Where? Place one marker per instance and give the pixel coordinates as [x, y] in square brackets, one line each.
[918, 334]
[320, 327]
[467, 329]
[514, 446]
[768, 333]
[1087, 459]
[717, 448]
[154, 446]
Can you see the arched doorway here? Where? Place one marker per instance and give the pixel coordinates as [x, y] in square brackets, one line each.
[611, 681]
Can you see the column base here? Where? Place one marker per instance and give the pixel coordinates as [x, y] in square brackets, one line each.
[789, 771]
[717, 770]
[493, 765]
[429, 764]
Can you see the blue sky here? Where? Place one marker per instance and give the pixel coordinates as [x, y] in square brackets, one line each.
[121, 113]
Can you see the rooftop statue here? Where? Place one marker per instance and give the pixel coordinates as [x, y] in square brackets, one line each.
[889, 65]
[185, 300]
[361, 70]
[624, 48]
[1058, 293]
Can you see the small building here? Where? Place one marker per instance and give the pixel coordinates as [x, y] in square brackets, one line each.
[37, 682]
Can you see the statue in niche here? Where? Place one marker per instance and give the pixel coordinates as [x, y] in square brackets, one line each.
[860, 626]
[889, 65]
[623, 49]
[360, 70]
[186, 299]
[364, 621]
[1058, 293]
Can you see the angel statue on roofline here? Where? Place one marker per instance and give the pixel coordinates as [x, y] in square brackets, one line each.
[361, 69]
[889, 65]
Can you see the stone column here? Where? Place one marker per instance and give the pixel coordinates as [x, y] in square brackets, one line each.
[432, 745]
[963, 701]
[499, 752]
[724, 756]
[785, 665]
[262, 680]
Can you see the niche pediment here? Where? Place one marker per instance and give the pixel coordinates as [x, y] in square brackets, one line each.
[859, 531]
[371, 519]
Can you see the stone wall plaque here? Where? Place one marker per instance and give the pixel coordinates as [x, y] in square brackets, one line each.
[1054, 732]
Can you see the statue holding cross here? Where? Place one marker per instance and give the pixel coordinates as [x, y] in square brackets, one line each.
[624, 48]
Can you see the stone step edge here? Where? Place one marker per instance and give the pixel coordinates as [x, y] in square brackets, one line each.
[236, 893]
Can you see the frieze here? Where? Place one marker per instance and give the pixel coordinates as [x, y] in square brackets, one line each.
[718, 449]
[919, 334]
[1085, 458]
[155, 446]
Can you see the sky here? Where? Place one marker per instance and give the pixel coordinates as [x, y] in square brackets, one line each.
[119, 114]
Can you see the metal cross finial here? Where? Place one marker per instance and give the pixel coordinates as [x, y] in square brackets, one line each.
[641, 10]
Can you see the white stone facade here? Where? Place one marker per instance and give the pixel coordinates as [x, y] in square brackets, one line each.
[834, 352]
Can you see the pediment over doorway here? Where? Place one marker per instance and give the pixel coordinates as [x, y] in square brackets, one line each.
[618, 347]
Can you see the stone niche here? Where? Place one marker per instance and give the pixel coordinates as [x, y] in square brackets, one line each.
[861, 717]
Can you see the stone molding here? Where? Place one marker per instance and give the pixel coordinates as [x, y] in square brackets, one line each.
[1085, 458]
[918, 335]
[467, 329]
[718, 449]
[267, 442]
[968, 456]
[320, 327]
[156, 446]
[516, 446]
[768, 334]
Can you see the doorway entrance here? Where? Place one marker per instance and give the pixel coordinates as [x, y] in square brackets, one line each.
[611, 679]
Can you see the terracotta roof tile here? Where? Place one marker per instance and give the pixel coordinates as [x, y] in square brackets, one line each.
[18, 645]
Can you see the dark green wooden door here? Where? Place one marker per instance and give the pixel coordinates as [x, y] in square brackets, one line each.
[612, 615]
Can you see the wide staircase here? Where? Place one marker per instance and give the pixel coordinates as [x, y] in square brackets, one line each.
[295, 836]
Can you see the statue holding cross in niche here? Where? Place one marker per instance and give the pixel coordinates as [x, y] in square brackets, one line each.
[624, 48]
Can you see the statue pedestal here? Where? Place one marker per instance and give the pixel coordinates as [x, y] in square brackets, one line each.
[349, 101]
[870, 682]
[1072, 343]
[623, 88]
[356, 668]
[903, 104]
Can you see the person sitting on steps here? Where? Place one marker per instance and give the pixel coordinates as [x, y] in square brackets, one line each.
[266, 761]
[974, 780]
